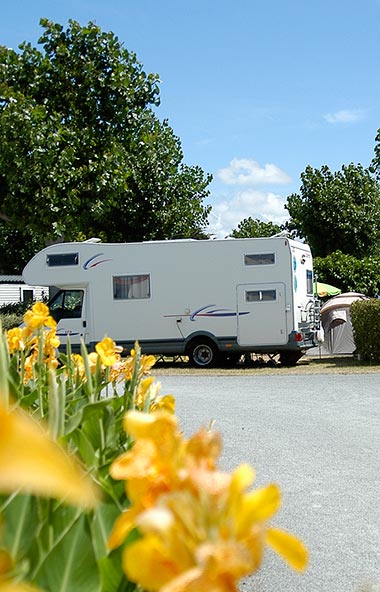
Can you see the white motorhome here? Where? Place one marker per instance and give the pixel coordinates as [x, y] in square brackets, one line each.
[212, 300]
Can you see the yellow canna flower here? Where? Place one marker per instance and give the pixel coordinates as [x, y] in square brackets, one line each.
[92, 361]
[78, 364]
[28, 368]
[165, 403]
[32, 462]
[16, 341]
[148, 395]
[146, 363]
[51, 342]
[144, 392]
[108, 351]
[39, 316]
[288, 546]
[202, 529]
[117, 372]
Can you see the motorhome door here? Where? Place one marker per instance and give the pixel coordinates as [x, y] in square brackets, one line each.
[67, 307]
[261, 318]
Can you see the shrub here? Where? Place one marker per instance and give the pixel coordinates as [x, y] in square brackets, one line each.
[11, 315]
[9, 321]
[365, 316]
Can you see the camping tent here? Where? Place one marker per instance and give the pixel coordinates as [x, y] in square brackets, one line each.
[336, 323]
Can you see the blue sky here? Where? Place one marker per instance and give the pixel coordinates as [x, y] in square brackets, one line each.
[255, 90]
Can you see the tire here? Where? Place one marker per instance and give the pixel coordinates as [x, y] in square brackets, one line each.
[203, 353]
[290, 358]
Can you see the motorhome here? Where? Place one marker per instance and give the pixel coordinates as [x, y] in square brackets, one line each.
[211, 300]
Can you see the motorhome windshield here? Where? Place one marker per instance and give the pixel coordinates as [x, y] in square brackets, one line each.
[66, 304]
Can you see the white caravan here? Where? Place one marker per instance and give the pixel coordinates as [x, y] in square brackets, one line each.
[212, 300]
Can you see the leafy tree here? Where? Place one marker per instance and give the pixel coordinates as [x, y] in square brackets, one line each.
[81, 150]
[349, 273]
[252, 228]
[17, 247]
[337, 211]
[375, 166]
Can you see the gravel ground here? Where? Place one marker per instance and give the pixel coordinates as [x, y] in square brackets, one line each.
[317, 435]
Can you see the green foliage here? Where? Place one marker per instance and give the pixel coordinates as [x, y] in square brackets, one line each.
[375, 166]
[252, 228]
[349, 273]
[10, 320]
[81, 151]
[365, 316]
[85, 413]
[18, 308]
[337, 211]
[11, 315]
[17, 247]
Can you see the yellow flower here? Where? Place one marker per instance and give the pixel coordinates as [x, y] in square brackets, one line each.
[16, 341]
[51, 342]
[144, 392]
[165, 403]
[28, 367]
[108, 351]
[146, 363]
[92, 361]
[39, 316]
[117, 372]
[78, 365]
[202, 529]
[148, 396]
[32, 462]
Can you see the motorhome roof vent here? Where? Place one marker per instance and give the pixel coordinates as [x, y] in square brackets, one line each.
[94, 239]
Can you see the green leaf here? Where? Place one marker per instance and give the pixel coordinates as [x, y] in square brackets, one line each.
[71, 564]
[19, 524]
[109, 563]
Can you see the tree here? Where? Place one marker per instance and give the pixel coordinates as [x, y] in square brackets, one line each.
[349, 273]
[375, 165]
[82, 152]
[250, 228]
[337, 211]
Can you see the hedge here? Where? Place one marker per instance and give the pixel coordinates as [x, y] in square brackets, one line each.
[365, 317]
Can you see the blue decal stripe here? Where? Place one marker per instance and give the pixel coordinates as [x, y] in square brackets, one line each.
[87, 265]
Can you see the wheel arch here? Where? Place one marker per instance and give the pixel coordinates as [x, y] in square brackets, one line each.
[200, 335]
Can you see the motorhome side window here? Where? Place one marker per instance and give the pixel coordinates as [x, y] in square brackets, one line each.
[259, 259]
[62, 259]
[66, 304]
[309, 281]
[131, 287]
[260, 295]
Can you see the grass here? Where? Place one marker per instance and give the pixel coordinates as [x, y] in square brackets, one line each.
[307, 365]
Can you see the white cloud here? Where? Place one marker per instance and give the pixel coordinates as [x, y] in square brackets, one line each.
[227, 214]
[242, 171]
[345, 116]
